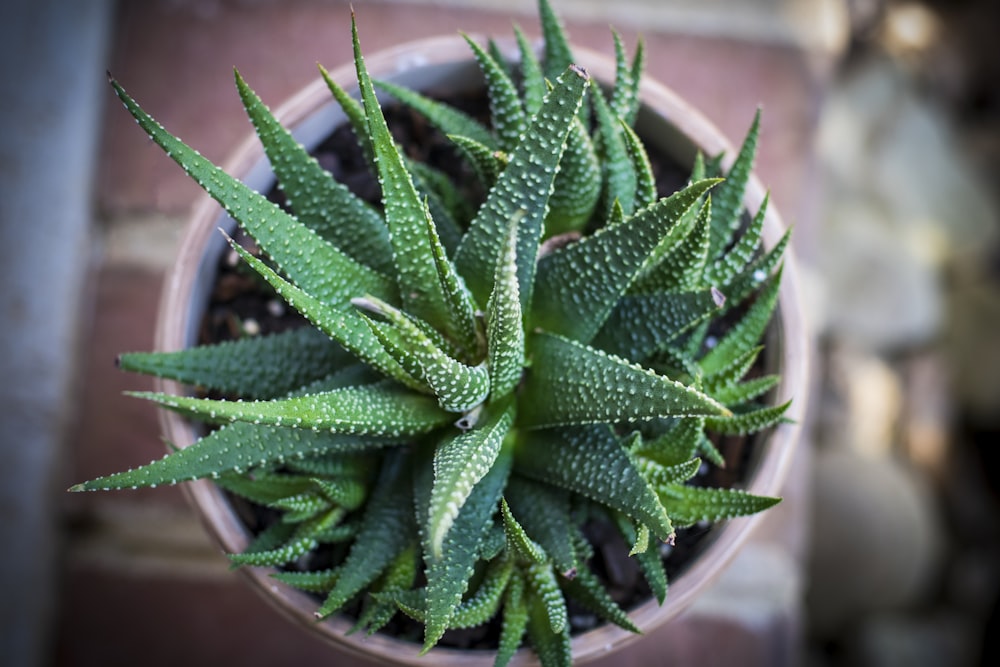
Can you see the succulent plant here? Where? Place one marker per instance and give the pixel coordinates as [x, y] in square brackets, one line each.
[480, 381]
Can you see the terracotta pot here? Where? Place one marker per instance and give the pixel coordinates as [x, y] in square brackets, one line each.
[666, 122]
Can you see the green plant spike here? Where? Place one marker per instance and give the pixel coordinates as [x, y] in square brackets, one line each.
[542, 581]
[405, 212]
[558, 55]
[461, 324]
[504, 321]
[726, 218]
[624, 101]
[506, 112]
[689, 504]
[302, 507]
[544, 513]
[552, 649]
[753, 276]
[386, 529]
[319, 201]
[289, 553]
[641, 324]
[744, 251]
[676, 445]
[284, 361]
[348, 492]
[569, 383]
[641, 543]
[487, 162]
[517, 539]
[270, 538]
[745, 392]
[444, 117]
[514, 622]
[645, 190]
[447, 208]
[459, 464]
[264, 488]
[333, 466]
[650, 562]
[747, 332]
[482, 605]
[448, 576]
[317, 581]
[458, 387]
[345, 327]
[355, 112]
[532, 77]
[683, 268]
[233, 448]
[587, 590]
[399, 576]
[379, 410]
[497, 54]
[524, 185]
[579, 284]
[577, 188]
[657, 475]
[312, 263]
[621, 179]
[730, 375]
[590, 461]
[749, 422]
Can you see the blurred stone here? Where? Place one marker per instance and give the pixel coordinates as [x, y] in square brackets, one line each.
[877, 539]
[898, 640]
[864, 410]
[900, 201]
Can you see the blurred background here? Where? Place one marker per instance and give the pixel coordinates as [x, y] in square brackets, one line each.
[881, 144]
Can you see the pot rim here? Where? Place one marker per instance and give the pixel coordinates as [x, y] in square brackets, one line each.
[202, 244]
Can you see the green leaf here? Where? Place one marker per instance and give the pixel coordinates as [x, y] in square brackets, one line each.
[682, 269]
[405, 212]
[734, 261]
[645, 190]
[482, 605]
[558, 55]
[386, 529]
[457, 386]
[460, 323]
[377, 410]
[579, 284]
[553, 649]
[524, 185]
[312, 263]
[643, 323]
[448, 576]
[233, 448]
[625, 95]
[488, 163]
[319, 581]
[289, 553]
[318, 201]
[570, 383]
[688, 505]
[620, 176]
[345, 327]
[355, 113]
[544, 511]
[253, 367]
[517, 538]
[586, 589]
[459, 464]
[506, 113]
[746, 333]
[504, 323]
[591, 461]
[444, 117]
[532, 78]
[542, 581]
[515, 620]
[577, 187]
[748, 422]
[650, 561]
[675, 446]
[728, 205]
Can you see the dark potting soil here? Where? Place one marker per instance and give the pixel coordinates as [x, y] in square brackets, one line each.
[241, 304]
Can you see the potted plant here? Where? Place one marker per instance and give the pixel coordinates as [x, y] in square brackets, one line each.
[510, 366]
